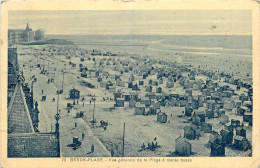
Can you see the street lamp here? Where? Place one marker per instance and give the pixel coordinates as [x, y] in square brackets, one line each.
[57, 115]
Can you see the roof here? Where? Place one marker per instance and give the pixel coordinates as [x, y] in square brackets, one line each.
[19, 120]
[139, 105]
[239, 128]
[150, 94]
[181, 139]
[206, 124]
[239, 138]
[120, 99]
[211, 101]
[125, 93]
[247, 113]
[161, 113]
[134, 93]
[244, 107]
[74, 90]
[189, 127]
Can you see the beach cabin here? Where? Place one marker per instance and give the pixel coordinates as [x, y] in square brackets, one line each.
[149, 88]
[146, 101]
[139, 109]
[159, 90]
[241, 143]
[247, 117]
[156, 104]
[188, 111]
[215, 138]
[141, 83]
[120, 102]
[198, 117]
[162, 117]
[240, 131]
[130, 84]
[117, 95]
[84, 75]
[134, 96]
[227, 136]
[217, 150]
[112, 89]
[235, 123]
[206, 127]
[135, 87]
[74, 94]
[150, 95]
[103, 84]
[132, 103]
[169, 84]
[126, 96]
[210, 113]
[182, 147]
[109, 83]
[189, 133]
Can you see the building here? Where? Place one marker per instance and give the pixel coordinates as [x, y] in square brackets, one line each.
[74, 94]
[39, 35]
[24, 35]
[161, 117]
[24, 138]
[182, 147]
[29, 34]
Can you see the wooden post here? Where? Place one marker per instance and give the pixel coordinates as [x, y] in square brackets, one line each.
[123, 154]
[94, 111]
[62, 81]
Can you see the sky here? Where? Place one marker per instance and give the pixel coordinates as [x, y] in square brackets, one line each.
[129, 22]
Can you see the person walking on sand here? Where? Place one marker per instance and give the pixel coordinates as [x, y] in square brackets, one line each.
[75, 124]
[112, 153]
[83, 135]
[92, 148]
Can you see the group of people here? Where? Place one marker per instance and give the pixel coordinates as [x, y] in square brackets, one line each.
[151, 146]
[106, 98]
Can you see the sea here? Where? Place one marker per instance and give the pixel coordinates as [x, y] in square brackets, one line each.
[240, 45]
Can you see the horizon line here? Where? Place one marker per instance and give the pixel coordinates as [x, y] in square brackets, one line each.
[148, 34]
